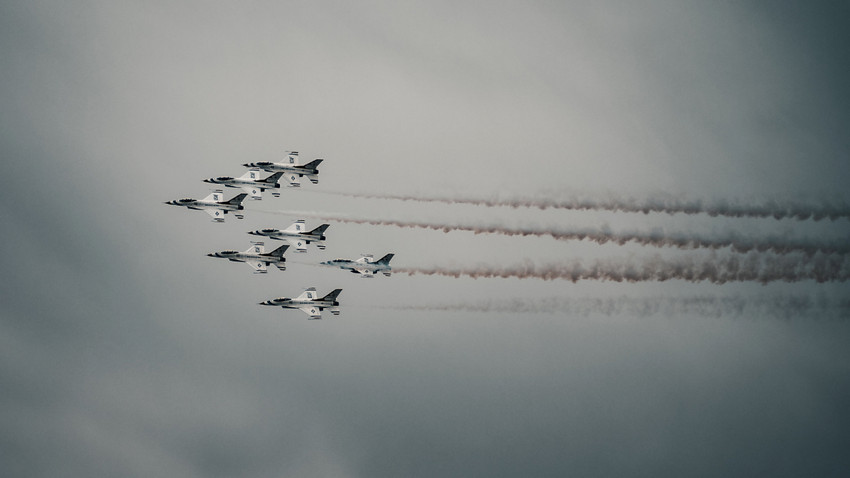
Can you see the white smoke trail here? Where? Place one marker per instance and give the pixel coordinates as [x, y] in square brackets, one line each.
[767, 209]
[751, 267]
[784, 307]
[656, 238]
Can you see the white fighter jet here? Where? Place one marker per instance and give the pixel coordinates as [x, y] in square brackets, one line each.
[292, 168]
[214, 205]
[251, 183]
[297, 235]
[256, 257]
[364, 266]
[309, 302]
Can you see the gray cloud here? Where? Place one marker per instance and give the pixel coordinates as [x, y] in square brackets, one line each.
[125, 351]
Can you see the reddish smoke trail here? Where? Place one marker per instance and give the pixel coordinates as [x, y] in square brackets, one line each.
[657, 238]
[752, 267]
[784, 306]
[774, 209]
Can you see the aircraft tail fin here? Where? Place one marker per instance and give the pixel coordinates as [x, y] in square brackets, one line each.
[386, 259]
[274, 178]
[332, 295]
[313, 164]
[279, 251]
[237, 200]
[320, 230]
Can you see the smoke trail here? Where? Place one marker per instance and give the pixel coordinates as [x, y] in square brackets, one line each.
[656, 238]
[774, 209]
[752, 267]
[783, 307]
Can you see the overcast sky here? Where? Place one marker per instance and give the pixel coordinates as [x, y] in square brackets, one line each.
[125, 351]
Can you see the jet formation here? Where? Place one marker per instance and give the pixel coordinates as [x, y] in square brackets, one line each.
[297, 235]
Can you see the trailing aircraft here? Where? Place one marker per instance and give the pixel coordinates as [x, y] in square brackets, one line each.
[297, 235]
[364, 266]
[309, 302]
[214, 205]
[256, 257]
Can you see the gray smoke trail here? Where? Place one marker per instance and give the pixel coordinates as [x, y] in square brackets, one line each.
[774, 209]
[751, 267]
[784, 306]
[656, 238]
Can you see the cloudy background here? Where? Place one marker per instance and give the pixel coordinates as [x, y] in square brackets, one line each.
[124, 351]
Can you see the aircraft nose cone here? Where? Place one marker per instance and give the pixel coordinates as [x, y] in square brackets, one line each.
[253, 233]
[210, 255]
[208, 180]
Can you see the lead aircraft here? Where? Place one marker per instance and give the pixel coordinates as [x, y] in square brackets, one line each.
[309, 303]
[214, 205]
[293, 169]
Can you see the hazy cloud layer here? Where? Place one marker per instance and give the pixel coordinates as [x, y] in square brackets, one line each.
[125, 351]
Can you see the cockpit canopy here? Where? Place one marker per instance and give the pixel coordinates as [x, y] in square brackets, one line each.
[263, 163]
[223, 178]
[229, 252]
[269, 230]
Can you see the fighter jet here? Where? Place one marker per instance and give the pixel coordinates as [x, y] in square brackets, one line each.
[309, 302]
[364, 266]
[251, 183]
[297, 235]
[214, 205]
[292, 168]
[256, 257]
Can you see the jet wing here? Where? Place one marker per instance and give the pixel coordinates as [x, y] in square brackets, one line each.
[312, 311]
[259, 267]
[255, 193]
[293, 180]
[217, 214]
[308, 294]
[298, 244]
